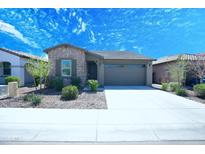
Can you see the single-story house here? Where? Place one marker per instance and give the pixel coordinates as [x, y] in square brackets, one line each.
[12, 63]
[161, 73]
[108, 67]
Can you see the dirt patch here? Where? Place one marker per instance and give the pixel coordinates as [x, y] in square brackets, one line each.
[51, 99]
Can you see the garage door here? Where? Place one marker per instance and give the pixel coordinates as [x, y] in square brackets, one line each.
[125, 74]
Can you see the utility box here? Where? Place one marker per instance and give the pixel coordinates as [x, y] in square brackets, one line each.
[13, 89]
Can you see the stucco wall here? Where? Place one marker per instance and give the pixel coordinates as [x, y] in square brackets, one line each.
[149, 73]
[16, 66]
[68, 53]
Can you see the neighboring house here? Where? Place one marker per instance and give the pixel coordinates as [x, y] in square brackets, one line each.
[12, 63]
[161, 73]
[108, 67]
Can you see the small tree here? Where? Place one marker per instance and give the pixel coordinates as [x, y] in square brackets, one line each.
[178, 71]
[38, 69]
[197, 66]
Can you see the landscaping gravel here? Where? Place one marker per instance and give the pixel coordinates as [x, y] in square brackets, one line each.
[51, 99]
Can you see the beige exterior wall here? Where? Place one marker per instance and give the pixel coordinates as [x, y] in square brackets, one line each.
[68, 53]
[160, 72]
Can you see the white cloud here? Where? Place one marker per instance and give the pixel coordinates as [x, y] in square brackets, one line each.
[92, 37]
[57, 10]
[139, 49]
[11, 30]
[122, 48]
[81, 27]
[73, 14]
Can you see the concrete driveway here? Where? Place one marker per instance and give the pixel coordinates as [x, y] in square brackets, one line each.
[135, 114]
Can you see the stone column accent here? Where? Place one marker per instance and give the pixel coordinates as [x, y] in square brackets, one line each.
[13, 89]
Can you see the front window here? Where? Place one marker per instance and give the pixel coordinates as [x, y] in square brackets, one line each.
[66, 68]
[5, 69]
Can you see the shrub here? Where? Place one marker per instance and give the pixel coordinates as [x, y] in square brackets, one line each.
[58, 83]
[181, 92]
[76, 81]
[55, 82]
[174, 86]
[199, 89]
[34, 99]
[93, 84]
[69, 93]
[165, 86]
[50, 82]
[12, 79]
[28, 97]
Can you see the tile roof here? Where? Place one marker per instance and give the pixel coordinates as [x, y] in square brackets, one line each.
[175, 57]
[21, 54]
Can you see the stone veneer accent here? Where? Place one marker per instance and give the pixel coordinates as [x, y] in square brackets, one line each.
[65, 52]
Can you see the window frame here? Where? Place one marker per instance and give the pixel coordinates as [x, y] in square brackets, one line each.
[62, 68]
[6, 69]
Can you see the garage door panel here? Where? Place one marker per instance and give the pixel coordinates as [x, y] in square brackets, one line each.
[124, 74]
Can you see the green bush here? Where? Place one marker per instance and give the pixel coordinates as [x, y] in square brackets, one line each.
[28, 97]
[93, 84]
[55, 82]
[34, 99]
[69, 93]
[58, 83]
[181, 92]
[174, 86]
[165, 86]
[12, 79]
[50, 82]
[76, 81]
[199, 89]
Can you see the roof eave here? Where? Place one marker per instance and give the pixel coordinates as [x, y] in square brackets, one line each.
[61, 45]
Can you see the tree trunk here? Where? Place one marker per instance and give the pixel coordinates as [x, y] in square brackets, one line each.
[34, 83]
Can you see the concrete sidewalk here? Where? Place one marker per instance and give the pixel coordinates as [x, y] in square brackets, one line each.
[134, 115]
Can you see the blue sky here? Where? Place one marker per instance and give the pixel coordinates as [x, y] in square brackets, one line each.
[152, 32]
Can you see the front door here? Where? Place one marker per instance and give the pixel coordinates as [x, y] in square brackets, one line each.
[92, 70]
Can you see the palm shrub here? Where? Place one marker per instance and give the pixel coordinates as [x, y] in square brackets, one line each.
[76, 81]
[199, 89]
[12, 79]
[93, 84]
[69, 93]
[165, 86]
